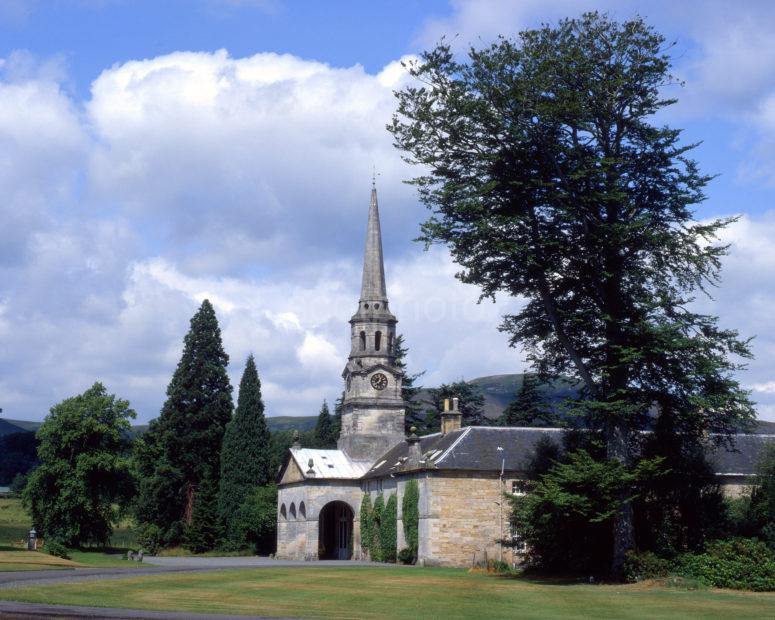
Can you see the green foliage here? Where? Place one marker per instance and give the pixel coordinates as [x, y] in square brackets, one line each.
[406, 556]
[388, 530]
[567, 519]
[18, 455]
[56, 548]
[741, 564]
[256, 521]
[325, 435]
[83, 473]
[245, 455]
[18, 483]
[471, 403]
[184, 443]
[683, 508]
[150, 538]
[645, 565]
[410, 516]
[761, 510]
[529, 408]
[414, 412]
[367, 535]
[204, 531]
[549, 178]
[375, 541]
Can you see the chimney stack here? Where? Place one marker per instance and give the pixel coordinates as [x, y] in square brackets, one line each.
[451, 418]
[414, 453]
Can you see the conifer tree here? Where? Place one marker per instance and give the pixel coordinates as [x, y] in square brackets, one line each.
[338, 408]
[529, 408]
[324, 429]
[245, 456]
[415, 415]
[204, 531]
[189, 432]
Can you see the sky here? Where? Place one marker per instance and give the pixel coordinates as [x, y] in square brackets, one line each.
[154, 154]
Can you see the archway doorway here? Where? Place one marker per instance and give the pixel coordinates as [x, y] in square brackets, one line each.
[335, 532]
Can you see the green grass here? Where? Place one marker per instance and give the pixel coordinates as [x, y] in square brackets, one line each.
[396, 593]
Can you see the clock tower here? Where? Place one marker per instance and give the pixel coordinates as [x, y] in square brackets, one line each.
[373, 410]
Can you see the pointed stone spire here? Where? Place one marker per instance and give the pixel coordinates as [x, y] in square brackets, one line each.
[373, 284]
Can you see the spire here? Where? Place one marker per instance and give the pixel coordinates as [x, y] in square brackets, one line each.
[373, 284]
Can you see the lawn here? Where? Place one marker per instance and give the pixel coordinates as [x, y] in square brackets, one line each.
[396, 593]
[15, 525]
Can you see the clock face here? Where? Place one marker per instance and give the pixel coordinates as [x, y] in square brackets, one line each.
[379, 381]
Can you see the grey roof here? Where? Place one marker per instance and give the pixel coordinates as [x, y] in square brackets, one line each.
[744, 458]
[373, 284]
[475, 448]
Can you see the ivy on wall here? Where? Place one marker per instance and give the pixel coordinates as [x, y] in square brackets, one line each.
[410, 514]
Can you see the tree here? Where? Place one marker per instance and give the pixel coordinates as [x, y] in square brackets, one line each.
[84, 476]
[761, 511]
[256, 520]
[529, 408]
[245, 455]
[367, 535]
[471, 403]
[204, 531]
[324, 429]
[414, 412]
[185, 443]
[375, 542]
[338, 410]
[410, 517]
[567, 519]
[388, 530]
[548, 180]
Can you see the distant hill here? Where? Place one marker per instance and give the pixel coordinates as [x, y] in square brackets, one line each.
[500, 390]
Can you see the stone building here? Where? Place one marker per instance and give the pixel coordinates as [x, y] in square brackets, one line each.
[462, 473]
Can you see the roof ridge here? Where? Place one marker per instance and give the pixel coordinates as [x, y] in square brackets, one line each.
[454, 444]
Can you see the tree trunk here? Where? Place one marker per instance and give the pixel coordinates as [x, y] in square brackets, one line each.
[618, 447]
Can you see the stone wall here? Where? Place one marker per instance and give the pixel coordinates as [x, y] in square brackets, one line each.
[297, 525]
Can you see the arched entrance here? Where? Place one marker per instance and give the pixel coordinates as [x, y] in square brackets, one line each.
[335, 532]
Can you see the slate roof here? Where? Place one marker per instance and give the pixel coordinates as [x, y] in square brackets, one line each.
[328, 464]
[475, 448]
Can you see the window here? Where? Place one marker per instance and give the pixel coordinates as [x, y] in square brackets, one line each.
[283, 512]
[302, 510]
[363, 341]
[293, 511]
[519, 487]
[377, 340]
[517, 542]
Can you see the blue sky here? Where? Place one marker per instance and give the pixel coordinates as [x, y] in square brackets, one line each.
[153, 154]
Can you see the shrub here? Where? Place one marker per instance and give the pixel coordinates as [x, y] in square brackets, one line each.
[375, 547]
[150, 538]
[739, 563]
[366, 534]
[387, 530]
[256, 521]
[410, 516]
[56, 548]
[405, 556]
[646, 565]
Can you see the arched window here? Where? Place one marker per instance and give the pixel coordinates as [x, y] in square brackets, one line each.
[293, 511]
[363, 341]
[377, 340]
[302, 511]
[283, 513]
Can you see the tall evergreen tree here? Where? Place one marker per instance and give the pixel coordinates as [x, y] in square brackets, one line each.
[324, 429]
[204, 531]
[549, 180]
[470, 402]
[529, 408]
[188, 436]
[415, 413]
[246, 453]
[338, 409]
